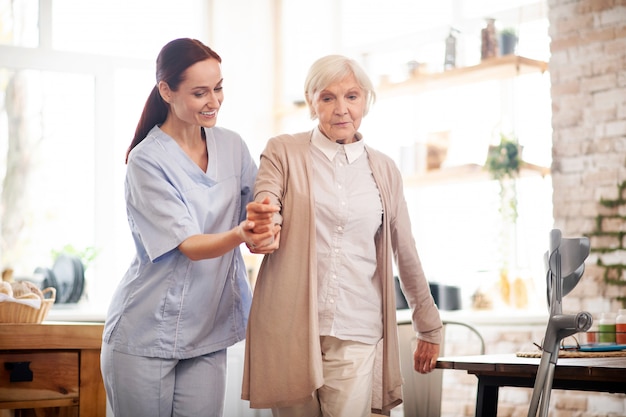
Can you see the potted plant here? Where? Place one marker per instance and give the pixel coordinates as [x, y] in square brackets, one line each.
[508, 41]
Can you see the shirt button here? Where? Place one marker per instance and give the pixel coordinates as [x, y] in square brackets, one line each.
[336, 250]
[332, 301]
[339, 186]
[339, 228]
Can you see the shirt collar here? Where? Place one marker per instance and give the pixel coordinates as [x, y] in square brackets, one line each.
[329, 148]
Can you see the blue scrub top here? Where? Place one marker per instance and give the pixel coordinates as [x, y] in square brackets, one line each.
[167, 305]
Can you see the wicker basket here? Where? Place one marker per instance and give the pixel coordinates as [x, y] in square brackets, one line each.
[20, 313]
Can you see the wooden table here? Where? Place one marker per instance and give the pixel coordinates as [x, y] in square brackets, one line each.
[52, 366]
[495, 371]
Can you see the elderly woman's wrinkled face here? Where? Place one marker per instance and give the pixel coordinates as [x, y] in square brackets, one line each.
[339, 108]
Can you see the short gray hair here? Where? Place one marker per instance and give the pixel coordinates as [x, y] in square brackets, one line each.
[334, 68]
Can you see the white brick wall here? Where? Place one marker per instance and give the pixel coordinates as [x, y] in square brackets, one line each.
[589, 128]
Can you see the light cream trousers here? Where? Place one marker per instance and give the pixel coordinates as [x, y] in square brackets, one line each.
[347, 390]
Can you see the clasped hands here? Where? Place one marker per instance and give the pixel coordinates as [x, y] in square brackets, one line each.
[261, 235]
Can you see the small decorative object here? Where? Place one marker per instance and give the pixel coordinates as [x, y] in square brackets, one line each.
[505, 286]
[413, 68]
[437, 149]
[489, 40]
[508, 41]
[481, 300]
[450, 56]
[620, 327]
[606, 327]
[520, 293]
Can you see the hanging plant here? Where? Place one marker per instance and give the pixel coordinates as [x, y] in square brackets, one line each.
[504, 160]
[503, 163]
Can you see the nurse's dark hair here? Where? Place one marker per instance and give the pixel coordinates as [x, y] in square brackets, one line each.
[172, 62]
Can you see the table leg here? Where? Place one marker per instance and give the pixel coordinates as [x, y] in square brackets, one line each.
[486, 399]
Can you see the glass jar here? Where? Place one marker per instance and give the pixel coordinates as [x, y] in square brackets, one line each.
[606, 328]
[620, 327]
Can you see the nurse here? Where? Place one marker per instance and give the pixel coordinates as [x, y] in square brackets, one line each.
[185, 297]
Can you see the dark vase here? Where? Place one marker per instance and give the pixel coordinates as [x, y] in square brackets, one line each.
[508, 42]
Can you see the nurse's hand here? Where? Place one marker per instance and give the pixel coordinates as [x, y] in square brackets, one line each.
[264, 242]
[269, 248]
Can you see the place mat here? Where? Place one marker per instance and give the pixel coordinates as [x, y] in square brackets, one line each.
[574, 354]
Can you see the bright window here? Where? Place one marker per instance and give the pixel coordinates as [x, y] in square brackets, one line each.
[72, 87]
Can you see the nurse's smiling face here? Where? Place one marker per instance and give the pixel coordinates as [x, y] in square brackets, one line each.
[199, 96]
[340, 107]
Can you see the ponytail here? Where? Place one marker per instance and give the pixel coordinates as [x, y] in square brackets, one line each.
[154, 113]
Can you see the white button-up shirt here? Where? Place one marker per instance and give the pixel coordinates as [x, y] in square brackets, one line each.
[349, 212]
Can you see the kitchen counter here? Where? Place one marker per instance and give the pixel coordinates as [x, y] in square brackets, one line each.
[87, 313]
[76, 313]
[52, 365]
[507, 317]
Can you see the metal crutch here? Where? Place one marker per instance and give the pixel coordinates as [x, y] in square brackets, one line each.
[565, 266]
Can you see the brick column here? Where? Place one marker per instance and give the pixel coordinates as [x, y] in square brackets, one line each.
[588, 77]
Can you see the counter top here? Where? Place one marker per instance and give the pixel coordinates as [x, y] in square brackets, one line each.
[52, 335]
[86, 313]
[508, 317]
[77, 313]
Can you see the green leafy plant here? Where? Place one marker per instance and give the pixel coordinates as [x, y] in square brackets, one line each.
[504, 160]
[503, 163]
[86, 255]
[508, 32]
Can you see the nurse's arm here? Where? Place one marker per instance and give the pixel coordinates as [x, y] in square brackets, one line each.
[206, 246]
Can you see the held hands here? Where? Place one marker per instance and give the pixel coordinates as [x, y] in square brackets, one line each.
[425, 356]
[261, 234]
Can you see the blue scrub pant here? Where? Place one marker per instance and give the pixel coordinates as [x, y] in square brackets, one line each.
[137, 386]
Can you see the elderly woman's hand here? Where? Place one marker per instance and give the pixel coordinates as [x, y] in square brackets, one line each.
[425, 356]
[262, 214]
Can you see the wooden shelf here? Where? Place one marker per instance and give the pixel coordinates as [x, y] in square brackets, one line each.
[466, 173]
[491, 69]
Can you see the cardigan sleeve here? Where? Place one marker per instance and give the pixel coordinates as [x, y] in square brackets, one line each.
[270, 181]
[425, 314]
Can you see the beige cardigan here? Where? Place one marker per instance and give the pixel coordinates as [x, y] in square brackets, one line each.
[283, 364]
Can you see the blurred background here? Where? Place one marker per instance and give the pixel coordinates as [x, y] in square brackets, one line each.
[74, 77]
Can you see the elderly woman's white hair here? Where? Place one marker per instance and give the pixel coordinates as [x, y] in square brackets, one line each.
[331, 69]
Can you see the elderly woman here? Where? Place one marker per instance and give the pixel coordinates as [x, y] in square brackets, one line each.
[322, 337]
